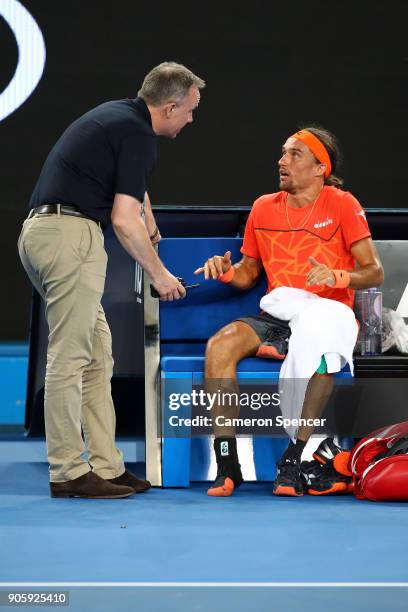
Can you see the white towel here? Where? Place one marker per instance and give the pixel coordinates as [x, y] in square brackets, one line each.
[319, 327]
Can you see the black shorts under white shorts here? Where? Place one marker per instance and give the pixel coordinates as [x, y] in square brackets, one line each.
[264, 325]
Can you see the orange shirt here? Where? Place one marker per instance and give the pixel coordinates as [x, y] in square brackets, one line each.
[324, 230]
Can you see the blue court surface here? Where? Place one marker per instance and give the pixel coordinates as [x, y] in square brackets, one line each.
[178, 549]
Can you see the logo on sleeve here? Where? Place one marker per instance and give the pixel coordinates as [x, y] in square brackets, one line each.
[361, 214]
[323, 223]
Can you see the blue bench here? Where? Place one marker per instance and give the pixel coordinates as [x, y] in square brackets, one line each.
[185, 327]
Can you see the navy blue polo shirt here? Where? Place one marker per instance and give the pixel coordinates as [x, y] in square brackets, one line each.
[111, 149]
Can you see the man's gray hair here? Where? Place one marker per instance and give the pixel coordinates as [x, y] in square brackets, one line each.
[168, 81]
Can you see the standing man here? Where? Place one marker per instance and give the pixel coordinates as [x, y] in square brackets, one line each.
[310, 235]
[97, 174]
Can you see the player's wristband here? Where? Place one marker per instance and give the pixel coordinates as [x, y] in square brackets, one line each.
[227, 276]
[342, 279]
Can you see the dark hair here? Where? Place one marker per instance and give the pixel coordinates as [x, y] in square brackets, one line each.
[332, 146]
[168, 81]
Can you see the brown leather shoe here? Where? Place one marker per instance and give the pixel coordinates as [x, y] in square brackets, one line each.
[129, 480]
[89, 485]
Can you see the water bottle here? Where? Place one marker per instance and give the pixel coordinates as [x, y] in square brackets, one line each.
[371, 319]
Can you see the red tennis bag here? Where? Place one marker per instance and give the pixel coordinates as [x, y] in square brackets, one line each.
[379, 464]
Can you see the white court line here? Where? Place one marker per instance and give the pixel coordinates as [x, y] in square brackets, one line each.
[210, 584]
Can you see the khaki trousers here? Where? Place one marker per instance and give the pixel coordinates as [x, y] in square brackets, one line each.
[65, 260]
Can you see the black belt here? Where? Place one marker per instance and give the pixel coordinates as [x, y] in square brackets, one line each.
[61, 209]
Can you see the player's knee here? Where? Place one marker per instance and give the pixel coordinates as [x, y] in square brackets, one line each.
[220, 348]
[215, 346]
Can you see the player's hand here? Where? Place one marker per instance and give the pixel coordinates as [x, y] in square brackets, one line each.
[169, 287]
[215, 266]
[320, 274]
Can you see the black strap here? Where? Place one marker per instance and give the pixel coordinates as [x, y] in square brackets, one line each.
[399, 448]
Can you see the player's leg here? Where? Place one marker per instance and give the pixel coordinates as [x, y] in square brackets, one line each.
[289, 479]
[224, 350]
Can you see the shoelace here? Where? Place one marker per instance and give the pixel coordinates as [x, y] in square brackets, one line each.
[289, 469]
[326, 471]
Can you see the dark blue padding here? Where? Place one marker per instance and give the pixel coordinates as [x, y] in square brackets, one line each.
[206, 309]
[183, 348]
[16, 349]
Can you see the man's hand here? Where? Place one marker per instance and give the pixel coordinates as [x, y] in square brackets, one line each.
[131, 232]
[320, 274]
[215, 266]
[169, 287]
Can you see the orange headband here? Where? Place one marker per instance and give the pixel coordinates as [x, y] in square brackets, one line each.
[317, 148]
